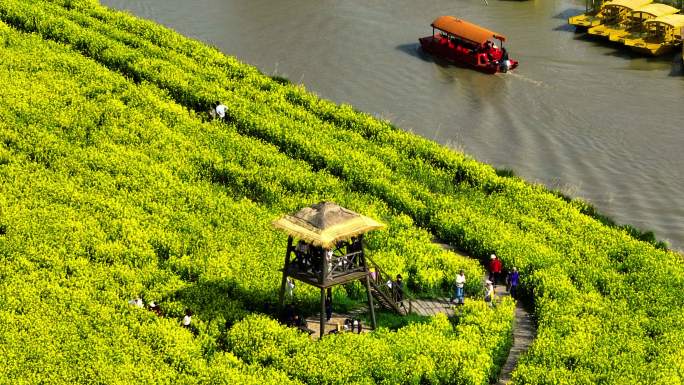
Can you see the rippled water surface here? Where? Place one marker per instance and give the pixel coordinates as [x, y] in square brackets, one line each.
[581, 115]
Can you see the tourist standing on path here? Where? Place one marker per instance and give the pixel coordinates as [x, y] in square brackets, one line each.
[460, 284]
[512, 282]
[489, 293]
[494, 268]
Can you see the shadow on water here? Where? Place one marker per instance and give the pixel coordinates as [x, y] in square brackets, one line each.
[626, 53]
[565, 15]
[568, 13]
[677, 67]
[414, 50]
[619, 49]
[596, 40]
[566, 28]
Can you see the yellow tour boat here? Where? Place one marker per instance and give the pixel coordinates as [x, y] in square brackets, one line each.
[662, 35]
[591, 17]
[615, 13]
[633, 28]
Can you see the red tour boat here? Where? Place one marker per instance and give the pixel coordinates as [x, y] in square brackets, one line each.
[467, 44]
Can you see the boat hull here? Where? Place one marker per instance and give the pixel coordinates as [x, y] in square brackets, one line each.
[620, 36]
[463, 57]
[654, 49]
[608, 31]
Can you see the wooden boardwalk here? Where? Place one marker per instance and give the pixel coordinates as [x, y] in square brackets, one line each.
[430, 307]
[424, 307]
[524, 332]
[335, 323]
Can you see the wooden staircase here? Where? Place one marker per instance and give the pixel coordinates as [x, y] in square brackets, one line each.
[386, 291]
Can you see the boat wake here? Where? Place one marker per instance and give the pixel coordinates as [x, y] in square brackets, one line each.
[524, 78]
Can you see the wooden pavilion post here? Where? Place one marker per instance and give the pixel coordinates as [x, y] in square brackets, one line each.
[324, 273]
[370, 303]
[368, 286]
[281, 295]
[322, 325]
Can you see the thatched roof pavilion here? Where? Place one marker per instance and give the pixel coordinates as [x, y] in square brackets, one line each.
[329, 251]
[326, 223]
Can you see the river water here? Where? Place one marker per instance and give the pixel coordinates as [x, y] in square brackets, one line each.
[580, 115]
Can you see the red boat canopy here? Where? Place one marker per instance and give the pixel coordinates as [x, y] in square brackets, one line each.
[465, 30]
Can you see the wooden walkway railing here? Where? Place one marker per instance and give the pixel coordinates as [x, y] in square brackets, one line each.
[386, 290]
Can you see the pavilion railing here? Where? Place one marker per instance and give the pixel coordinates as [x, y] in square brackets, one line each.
[345, 264]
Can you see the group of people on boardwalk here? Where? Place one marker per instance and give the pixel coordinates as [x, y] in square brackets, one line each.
[512, 282]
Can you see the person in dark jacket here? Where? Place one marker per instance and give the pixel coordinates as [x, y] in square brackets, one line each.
[400, 288]
[512, 282]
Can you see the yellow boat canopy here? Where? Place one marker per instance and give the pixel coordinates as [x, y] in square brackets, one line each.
[654, 10]
[629, 4]
[465, 29]
[674, 21]
[325, 223]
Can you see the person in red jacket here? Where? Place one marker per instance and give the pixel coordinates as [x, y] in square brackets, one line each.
[494, 268]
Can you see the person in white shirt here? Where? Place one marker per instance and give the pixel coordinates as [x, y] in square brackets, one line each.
[221, 110]
[289, 288]
[188, 318]
[489, 293]
[153, 307]
[137, 302]
[460, 283]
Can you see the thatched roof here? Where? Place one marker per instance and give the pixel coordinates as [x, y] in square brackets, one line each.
[325, 223]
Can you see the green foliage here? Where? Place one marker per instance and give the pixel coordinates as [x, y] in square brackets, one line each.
[393, 321]
[433, 352]
[182, 210]
[111, 192]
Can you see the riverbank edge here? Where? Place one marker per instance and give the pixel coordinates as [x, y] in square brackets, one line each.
[584, 206]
